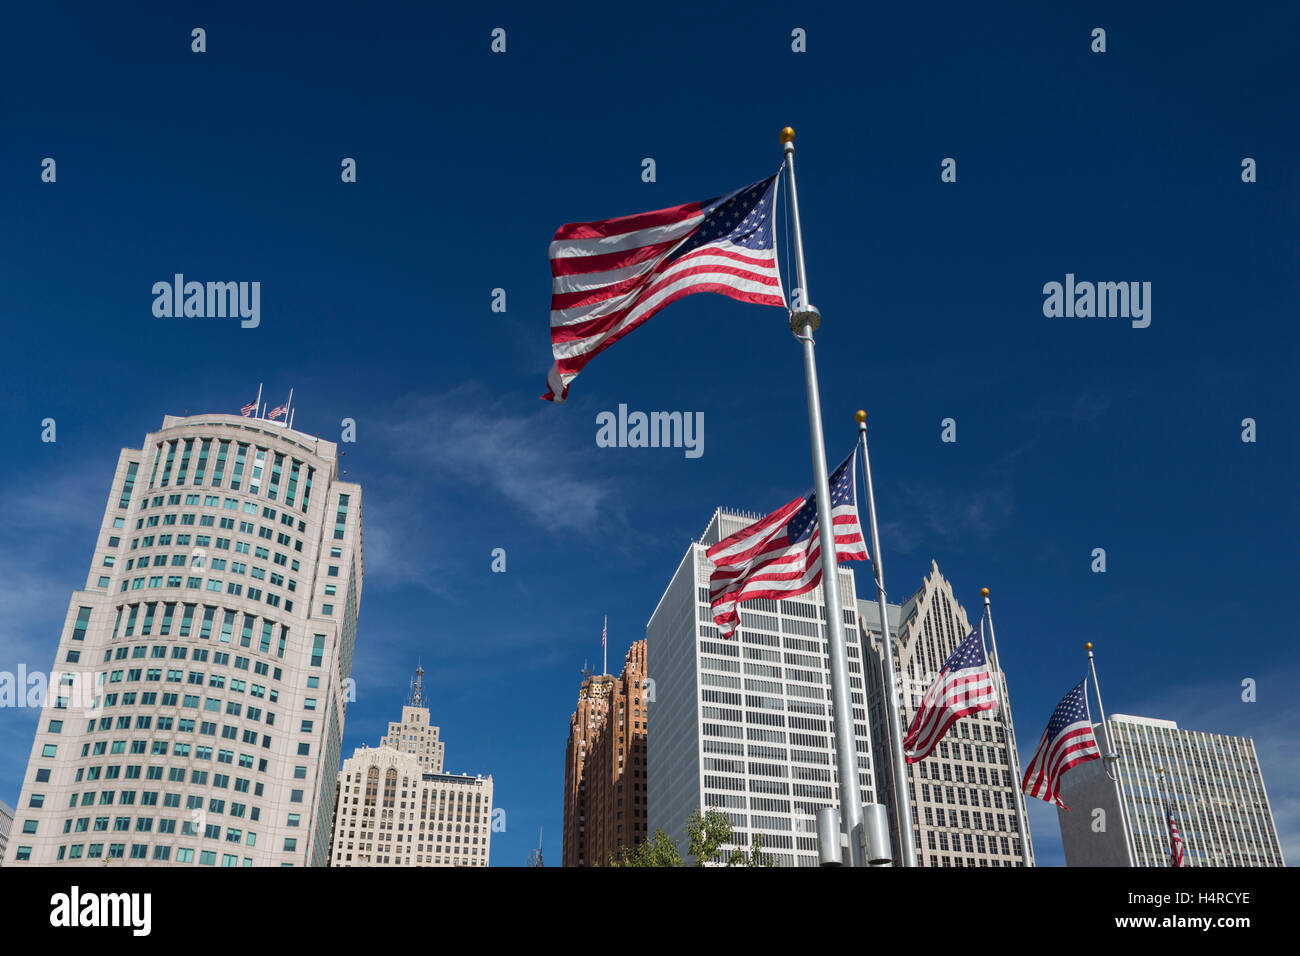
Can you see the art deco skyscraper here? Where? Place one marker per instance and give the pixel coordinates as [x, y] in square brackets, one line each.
[605, 796]
[964, 794]
[415, 733]
[397, 807]
[206, 660]
[745, 724]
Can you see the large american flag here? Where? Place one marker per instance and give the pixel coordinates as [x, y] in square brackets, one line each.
[780, 556]
[248, 409]
[1176, 854]
[610, 276]
[1067, 742]
[964, 686]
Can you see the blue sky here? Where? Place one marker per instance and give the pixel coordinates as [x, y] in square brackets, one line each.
[1072, 434]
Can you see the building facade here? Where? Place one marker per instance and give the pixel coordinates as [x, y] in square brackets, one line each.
[745, 725]
[415, 733]
[196, 706]
[605, 785]
[1212, 782]
[397, 808]
[6, 823]
[964, 804]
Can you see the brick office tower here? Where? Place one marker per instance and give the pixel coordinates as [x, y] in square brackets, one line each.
[605, 764]
[204, 668]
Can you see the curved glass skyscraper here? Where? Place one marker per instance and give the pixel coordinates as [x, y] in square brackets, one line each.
[196, 703]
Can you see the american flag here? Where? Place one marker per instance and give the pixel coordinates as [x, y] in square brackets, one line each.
[275, 413]
[780, 556]
[248, 409]
[1067, 742]
[964, 686]
[1176, 855]
[610, 276]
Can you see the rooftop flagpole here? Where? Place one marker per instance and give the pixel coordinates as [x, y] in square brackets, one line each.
[897, 761]
[1004, 705]
[804, 320]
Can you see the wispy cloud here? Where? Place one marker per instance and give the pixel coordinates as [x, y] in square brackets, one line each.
[463, 436]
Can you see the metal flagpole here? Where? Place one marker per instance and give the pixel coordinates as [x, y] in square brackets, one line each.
[804, 320]
[1111, 756]
[1004, 705]
[258, 403]
[902, 800]
[287, 406]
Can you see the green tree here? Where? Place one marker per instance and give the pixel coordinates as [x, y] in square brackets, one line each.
[706, 833]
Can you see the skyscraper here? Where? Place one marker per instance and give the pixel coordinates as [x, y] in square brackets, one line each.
[605, 795]
[415, 733]
[963, 795]
[6, 823]
[202, 674]
[397, 808]
[745, 724]
[1212, 782]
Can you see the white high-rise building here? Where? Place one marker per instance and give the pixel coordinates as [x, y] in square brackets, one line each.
[745, 725]
[1212, 782]
[6, 822]
[202, 673]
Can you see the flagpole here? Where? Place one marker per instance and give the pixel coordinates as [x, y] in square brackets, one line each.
[287, 406]
[902, 799]
[1164, 805]
[803, 323]
[604, 645]
[258, 403]
[1112, 756]
[1004, 705]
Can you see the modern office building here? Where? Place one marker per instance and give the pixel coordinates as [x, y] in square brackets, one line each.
[202, 673]
[397, 808]
[964, 805]
[605, 795]
[1212, 782]
[745, 724]
[6, 823]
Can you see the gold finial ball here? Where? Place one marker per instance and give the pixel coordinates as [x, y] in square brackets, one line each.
[787, 135]
[860, 416]
[984, 592]
[1088, 646]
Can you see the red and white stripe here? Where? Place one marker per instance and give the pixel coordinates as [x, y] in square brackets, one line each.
[611, 275]
[1074, 745]
[759, 561]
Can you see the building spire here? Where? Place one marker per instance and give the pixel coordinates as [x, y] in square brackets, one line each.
[417, 698]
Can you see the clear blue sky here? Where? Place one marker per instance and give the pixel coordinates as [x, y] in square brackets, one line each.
[1072, 434]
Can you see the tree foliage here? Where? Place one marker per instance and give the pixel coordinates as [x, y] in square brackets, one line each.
[706, 834]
